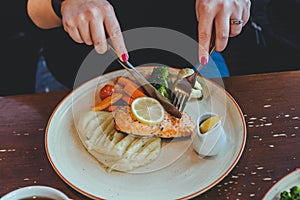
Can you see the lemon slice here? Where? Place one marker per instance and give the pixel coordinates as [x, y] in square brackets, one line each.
[209, 123]
[147, 110]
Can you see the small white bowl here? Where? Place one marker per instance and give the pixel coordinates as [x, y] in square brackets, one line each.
[211, 142]
[35, 191]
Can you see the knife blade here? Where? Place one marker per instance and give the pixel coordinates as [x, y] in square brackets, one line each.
[148, 87]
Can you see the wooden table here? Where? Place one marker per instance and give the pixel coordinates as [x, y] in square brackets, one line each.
[271, 107]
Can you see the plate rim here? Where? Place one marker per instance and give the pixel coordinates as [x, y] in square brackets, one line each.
[225, 173]
[296, 170]
[194, 194]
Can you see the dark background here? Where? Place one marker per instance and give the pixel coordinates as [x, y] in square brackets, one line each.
[270, 42]
[244, 56]
[276, 49]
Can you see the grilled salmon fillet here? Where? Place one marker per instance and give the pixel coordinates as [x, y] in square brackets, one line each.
[170, 127]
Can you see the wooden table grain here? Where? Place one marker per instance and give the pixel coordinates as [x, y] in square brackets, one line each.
[271, 107]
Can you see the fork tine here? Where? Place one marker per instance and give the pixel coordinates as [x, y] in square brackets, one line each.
[181, 91]
[182, 97]
[180, 100]
[183, 103]
[183, 88]
[176, 100]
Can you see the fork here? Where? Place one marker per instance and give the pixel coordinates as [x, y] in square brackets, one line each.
[183, 88]
[151, 91]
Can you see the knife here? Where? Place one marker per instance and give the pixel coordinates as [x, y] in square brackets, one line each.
[168, 106]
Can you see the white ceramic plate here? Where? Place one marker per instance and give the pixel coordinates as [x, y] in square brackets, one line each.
[177, 173]
[284, 184]
[29, 192]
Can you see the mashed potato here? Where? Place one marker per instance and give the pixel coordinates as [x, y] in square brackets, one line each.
[117, 151]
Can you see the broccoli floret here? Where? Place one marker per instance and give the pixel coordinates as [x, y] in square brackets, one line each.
[163, 90]
[295, 192]
[165, 72]
[159, 79]
[159, 76]
[285, 195]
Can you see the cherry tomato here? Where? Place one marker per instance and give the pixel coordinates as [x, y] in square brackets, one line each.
[106, 91]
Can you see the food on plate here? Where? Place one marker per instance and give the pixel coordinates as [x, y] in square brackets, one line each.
[147, 110]
[169, 127]
[209, 123]
[106, 91]
[197, 89]
[124, 130]
[115, 150]
[111, 94]
[159, 79]
[107, 102]
[293, 194]
[130, 88]
[185, 72]
[125, 89]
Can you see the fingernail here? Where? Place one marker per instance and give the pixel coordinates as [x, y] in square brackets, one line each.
[101, 49]
[203, 61]
[125, 57]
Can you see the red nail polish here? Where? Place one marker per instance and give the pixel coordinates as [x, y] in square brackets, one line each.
[124, 57]
[203, 61]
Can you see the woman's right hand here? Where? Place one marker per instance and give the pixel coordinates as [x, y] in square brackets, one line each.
[88, 21]
[218, 14]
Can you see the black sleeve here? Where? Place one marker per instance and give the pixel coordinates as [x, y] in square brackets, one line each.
[64, 56]
[284, 20]
[15, 19]
[20, 48]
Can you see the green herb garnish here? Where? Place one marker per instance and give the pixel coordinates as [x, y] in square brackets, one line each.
[293, 194]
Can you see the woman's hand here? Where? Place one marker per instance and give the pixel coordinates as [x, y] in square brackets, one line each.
[88, 21]
[218, 14]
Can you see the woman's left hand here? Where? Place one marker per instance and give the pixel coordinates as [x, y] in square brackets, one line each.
[227, 17]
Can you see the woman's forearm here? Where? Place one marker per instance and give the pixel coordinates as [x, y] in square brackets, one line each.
[42, 14]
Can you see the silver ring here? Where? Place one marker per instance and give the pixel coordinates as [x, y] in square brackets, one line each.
[236, 21]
